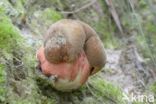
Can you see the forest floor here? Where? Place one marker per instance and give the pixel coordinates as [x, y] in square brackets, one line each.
[115, 74]
[127, 70]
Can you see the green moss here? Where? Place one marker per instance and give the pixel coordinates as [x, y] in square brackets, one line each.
[2, 73]
[2, 84]
[19, 6]
[1, 10]
[141, 43]
[12, 48]
[23, 2]
[43, 19]
[106, 31]
[150, 27]
[9, 9]
[105, 90]
[151, 31]
[153, 88]
[52, 15]
[95, 91]
[147, 42]
[8, 33]
[143, 4]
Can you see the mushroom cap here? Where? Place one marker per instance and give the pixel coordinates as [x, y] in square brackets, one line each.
[70, 75]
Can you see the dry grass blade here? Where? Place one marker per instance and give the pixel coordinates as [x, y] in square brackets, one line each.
[114, 15]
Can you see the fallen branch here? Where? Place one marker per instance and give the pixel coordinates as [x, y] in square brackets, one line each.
[79, 9]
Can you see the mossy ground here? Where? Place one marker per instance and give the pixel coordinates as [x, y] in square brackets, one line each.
[18, 81]
[95, 91]
[2, 84]
[14, 63]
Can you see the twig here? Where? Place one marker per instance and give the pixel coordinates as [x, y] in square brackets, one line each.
[79, 9]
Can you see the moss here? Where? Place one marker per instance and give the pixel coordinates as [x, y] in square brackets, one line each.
[95, 91]
[142, 4]
[147, 42]
[106, 31]
[141, 43]
[8, 34]
[2, 73]
[151, 31]
[43, 19]
[153, 88]
[52, 15]
[106, 90]
[8, 9]
[18, 5]
[26, 90]
[2, 84]
[20, 87]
